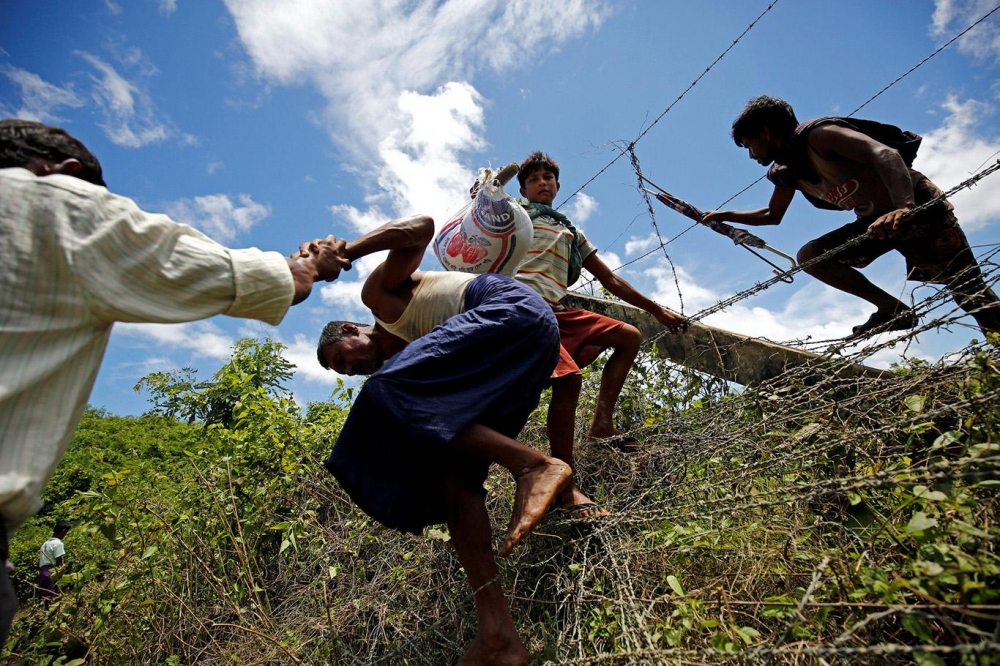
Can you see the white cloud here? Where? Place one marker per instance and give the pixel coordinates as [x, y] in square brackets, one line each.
[217, 216]
[637, 245]
[953, 152]
[203, 339]
[396, 76]
[345, 299]
[953, 16]
[168, 7]
[421, 171]
[302, 352]
[39, 99]
[581, 208]
[130, 118]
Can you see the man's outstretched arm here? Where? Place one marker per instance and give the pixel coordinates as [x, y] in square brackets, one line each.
[781, 198]
[406, 239]
[625, 291]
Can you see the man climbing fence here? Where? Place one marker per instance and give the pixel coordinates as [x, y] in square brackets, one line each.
[850, 164]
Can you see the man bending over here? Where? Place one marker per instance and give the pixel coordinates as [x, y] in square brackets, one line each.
[837, 166]
[457, 363]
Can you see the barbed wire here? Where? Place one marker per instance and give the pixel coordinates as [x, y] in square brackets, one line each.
[630, 149]
[887, 87]
[751, 505]
[829, 254]
[671, 105]
[922, 62]
[688, 549]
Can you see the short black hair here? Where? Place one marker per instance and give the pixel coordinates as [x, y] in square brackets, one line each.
[24, 140]
[332, 333]
[535, 161]
[762, 113]
[61, 526]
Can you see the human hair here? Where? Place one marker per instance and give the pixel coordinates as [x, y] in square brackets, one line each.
[762, 113]
[61, 526]
[332, 333]
[24, 140]
[535, 161]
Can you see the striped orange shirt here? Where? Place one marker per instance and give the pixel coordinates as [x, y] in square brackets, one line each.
[546, 266]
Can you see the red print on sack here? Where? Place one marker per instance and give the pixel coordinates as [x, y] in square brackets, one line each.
[456, 244]
[473, 253]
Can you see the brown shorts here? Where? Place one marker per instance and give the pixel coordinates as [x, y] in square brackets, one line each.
[934, 246]
[579, 329]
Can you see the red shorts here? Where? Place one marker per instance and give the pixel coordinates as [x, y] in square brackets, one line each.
[579, 329]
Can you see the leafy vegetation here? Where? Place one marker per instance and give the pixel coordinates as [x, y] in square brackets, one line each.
[841, 521]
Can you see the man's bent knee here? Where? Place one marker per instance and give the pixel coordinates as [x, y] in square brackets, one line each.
[567, 384]
[628, 340]
[810, 251]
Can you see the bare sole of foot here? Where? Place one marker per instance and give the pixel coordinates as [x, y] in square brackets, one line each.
[536, 490]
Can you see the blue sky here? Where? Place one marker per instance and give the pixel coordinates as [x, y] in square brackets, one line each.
[269, 123]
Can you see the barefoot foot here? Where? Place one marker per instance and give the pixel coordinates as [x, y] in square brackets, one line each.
[537, 487]
[495, 651]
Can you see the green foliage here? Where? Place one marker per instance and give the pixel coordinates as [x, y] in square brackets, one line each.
[256, 367]
[179, 528]
[208, 531]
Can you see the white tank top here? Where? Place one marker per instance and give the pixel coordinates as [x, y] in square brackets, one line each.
[439, 296]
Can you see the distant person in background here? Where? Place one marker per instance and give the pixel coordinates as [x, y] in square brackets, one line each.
[558, 252]
[457, 364]
[50, 556]
[837, 165]
[76, 259]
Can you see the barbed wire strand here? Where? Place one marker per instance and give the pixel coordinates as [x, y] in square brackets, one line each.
[630, 148]
[672, 104]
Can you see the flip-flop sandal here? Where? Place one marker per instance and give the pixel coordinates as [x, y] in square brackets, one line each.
[623, 443]
[880, 322]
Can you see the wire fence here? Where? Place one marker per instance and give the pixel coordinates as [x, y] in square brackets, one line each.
[821, 517]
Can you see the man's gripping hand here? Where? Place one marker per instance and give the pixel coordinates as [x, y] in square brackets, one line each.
[675, 323]
[328, 257]
[889, 225]
[318, 259]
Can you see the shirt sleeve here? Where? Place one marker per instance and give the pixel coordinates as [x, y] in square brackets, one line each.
[780, 175]
[139, 267]
[585, 246]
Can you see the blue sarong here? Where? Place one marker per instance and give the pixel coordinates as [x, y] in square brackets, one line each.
[487, 365]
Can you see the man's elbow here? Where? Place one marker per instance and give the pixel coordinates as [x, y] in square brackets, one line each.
[771, 218]
[424, 228]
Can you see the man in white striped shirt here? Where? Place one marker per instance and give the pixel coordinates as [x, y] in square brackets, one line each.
[78, 258]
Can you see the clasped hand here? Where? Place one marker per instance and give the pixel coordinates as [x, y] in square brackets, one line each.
[327, 255]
